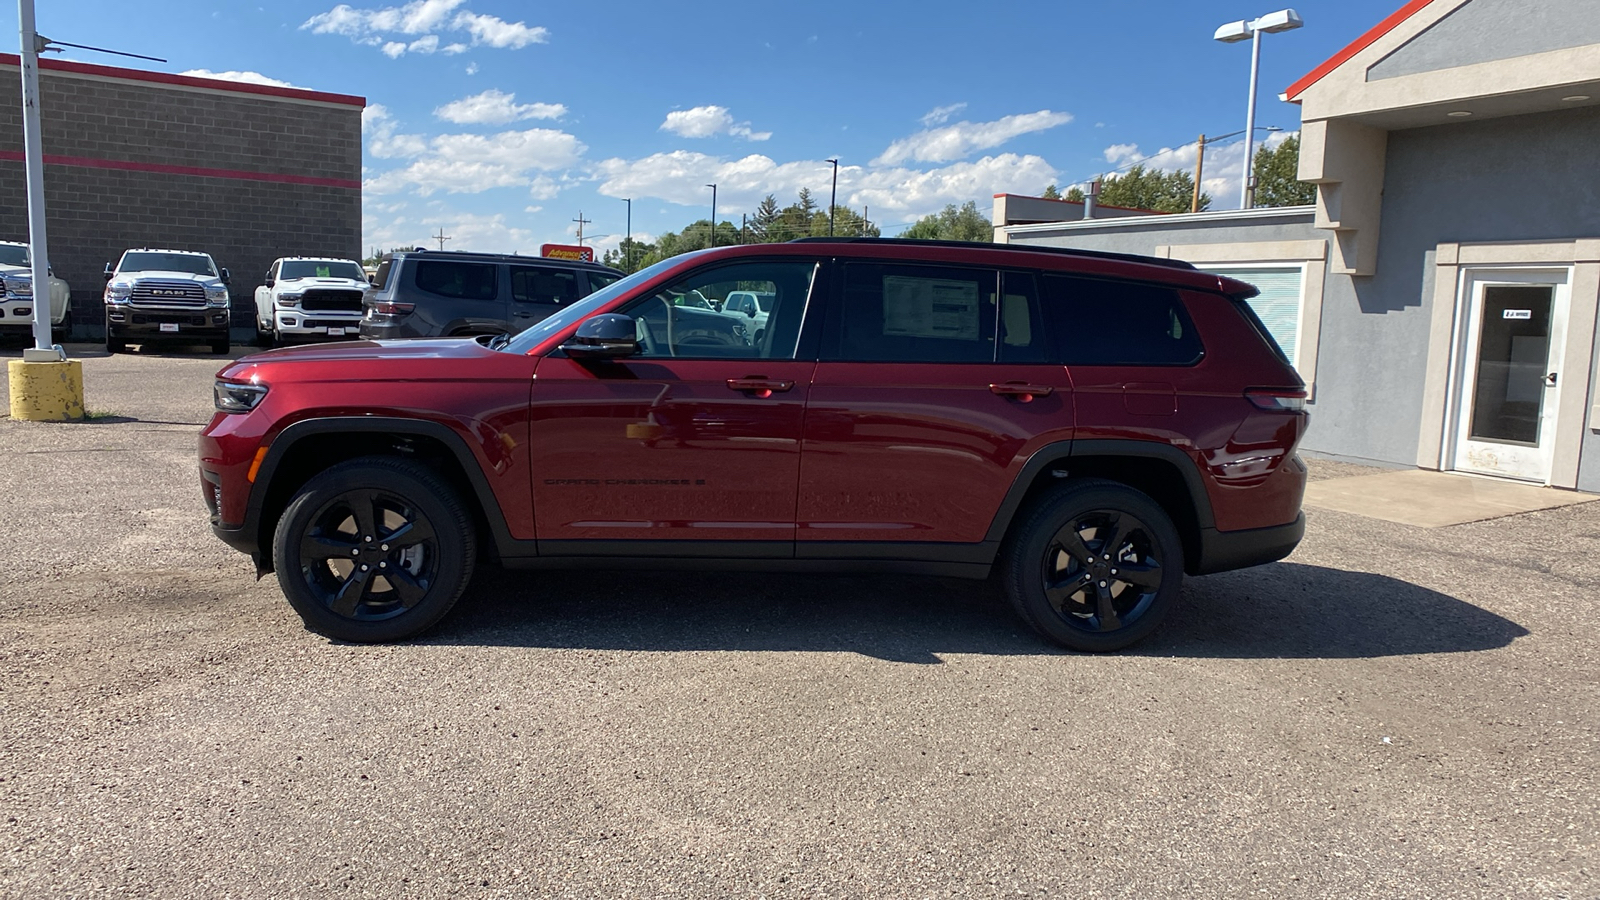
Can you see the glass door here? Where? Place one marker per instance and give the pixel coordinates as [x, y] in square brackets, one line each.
[1510, 373]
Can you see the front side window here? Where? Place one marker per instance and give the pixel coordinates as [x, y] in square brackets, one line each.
[531, 284]
[461, 280]
[155, 261]
[691, 318]
[1096, 322]
[910, 313]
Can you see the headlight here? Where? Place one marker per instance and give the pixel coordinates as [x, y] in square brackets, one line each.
[19, 287]
[118, 293]
[289, 299]
[232, 397]
[217, 296]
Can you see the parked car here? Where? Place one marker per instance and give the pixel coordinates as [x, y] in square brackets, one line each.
[169, 296]
[16, 292]
[753, 305]
[433, 293]
[1090, 426]
[310, 297]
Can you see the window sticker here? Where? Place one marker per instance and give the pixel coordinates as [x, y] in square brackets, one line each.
[324, 271]
[930, 308]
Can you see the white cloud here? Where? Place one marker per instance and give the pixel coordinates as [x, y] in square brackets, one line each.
[467, 231]
[679, 176]
[244, 77]
[382, 26]
[382, 142]
[941, 114]
[494, 107]
[472, 68]
[543, 187]
[708, 121]
[472, 163]
[963, 138]
[1117, 154]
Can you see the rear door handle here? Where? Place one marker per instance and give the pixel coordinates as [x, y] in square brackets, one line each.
[759, 387]
[1023, 392]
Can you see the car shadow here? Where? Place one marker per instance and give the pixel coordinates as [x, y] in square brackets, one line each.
[1284, 610]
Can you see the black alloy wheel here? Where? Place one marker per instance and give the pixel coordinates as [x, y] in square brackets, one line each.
[375, 549]
[1095, 566]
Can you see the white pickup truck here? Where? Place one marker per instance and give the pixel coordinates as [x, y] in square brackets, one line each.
[16, 292]
[307, 297]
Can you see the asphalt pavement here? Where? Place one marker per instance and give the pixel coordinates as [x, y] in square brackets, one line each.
[1391, 712]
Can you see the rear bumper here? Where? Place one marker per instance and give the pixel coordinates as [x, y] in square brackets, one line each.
[1222, 551]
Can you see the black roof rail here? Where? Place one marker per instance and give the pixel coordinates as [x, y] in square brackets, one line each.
[1064, 251]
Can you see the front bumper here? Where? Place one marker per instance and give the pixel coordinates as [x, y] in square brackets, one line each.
[313, 323]
[19, 314]
[200, 323]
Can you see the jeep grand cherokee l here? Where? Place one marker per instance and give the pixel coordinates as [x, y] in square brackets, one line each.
[1089, 426]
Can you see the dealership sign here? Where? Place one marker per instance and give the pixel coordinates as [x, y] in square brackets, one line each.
[567, 251]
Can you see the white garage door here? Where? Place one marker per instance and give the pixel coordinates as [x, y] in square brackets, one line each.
[1278, 304]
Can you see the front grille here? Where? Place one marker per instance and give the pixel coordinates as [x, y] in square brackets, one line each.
[168, 293]
[331, 300]
[168, 319]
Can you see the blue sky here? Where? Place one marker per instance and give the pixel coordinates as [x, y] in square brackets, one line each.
[500, 121]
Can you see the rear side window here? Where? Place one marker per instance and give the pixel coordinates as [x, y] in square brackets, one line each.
[598, 280]
[463, 281]
[905, 313]
[382, 277]
[539, 285]
[1094, 322]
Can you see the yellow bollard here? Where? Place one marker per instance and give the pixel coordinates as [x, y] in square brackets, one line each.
[46, 391]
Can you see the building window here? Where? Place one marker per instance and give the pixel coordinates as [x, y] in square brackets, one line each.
[1280, 305]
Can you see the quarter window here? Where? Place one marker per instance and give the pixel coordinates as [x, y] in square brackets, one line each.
[463, 281]
[1094, 322]
[900, 313]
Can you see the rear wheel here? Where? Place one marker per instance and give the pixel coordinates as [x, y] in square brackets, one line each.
[1095, 566]
[374, 549]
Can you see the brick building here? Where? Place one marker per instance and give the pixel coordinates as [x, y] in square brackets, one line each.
[244, 172]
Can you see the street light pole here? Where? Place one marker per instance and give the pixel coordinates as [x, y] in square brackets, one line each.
[833, 196]
[713, 214]
[33, 151]
[1232, 33]
[627, 239]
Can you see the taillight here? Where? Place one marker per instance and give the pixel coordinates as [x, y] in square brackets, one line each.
[386, 308]
[1277, 400]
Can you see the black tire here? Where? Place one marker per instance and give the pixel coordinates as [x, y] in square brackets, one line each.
[419, 529]
[221, 347]
[115, 344]
[1094, 566]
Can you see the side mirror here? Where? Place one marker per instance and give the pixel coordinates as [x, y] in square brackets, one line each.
[270, 282]
[750, 311]
[224, 274]
[108, 272]
[606, 336]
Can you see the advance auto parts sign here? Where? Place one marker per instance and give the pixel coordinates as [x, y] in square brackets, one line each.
[567, 251]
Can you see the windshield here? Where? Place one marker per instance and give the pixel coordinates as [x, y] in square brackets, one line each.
[13, 255]
[584, 308]
[320, 268]
[156, 261]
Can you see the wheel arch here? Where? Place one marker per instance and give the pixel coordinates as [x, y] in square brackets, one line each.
[1162, 471]
[305, 448]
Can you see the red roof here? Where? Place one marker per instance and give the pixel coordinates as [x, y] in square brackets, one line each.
[215, 84]
[1356, 46]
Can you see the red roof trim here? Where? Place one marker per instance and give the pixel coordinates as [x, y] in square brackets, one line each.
[1356, 46]
[197, 171]
[215, 84]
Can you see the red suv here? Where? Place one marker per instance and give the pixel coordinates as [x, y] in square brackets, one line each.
[1091, 426]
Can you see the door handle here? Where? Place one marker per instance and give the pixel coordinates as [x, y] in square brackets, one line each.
[759, 387]
[1023, 392]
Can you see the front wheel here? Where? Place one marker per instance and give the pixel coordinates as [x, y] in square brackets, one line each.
[221, 347]
[374, 549]
[1095, 566]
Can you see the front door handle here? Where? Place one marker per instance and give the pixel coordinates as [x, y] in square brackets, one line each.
[758, 386]
[1023, 392]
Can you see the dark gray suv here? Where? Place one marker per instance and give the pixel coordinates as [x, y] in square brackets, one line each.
[438, 293]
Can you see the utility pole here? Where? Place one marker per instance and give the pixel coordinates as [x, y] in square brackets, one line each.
[627, 240]
[441, 237]
[743, 219]
[713, 214]
[833, 196]
[1199, 167]
[582, 222]
[864, 221]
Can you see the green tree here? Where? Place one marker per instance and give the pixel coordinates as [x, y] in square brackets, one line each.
[1277, 176]
[808, 206]
[1074, 195]
[953, 224]
[628, 255]
[761, 222]
[1050, 193]
[1142, 188]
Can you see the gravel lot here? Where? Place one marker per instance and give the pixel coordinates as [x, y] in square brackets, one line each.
[1392, 712]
